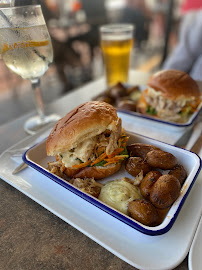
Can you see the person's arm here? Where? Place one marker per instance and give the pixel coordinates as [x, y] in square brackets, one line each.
[189, 47]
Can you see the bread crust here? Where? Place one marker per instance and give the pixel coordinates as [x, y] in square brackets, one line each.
[174, 84]
[96, 172]
[85, 121]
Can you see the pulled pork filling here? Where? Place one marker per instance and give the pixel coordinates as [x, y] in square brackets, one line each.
[92, 148]
[170, 110]
[87, 185]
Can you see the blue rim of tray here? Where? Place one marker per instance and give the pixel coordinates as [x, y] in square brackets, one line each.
[158, 120]
[118, 215]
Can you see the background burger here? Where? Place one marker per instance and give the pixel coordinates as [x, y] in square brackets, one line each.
[171, 95]
[88, 142]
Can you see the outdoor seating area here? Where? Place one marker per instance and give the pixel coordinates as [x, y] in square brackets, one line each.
[101, 134]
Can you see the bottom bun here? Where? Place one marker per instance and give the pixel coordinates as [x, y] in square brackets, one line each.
[70, 172]
[96, 172]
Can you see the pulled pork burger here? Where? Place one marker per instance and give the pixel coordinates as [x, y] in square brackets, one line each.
[88, 142]
[171, 95]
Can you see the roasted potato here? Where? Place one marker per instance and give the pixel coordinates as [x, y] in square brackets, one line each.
[140, 149]
[148, 182]
[162, 213]
[117, 91]
[133, 89]
[105, 98]
[128, 105]
[134, 165]
[161, 159]
[165, 191]
[179, 172]
[143, 211]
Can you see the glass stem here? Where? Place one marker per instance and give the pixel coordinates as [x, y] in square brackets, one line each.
[38, 99]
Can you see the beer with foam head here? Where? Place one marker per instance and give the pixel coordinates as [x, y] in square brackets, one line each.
[116, 44]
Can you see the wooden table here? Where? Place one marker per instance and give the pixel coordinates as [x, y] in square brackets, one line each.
[32, 237]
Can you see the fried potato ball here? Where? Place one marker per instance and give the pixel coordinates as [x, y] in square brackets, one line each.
[127, 105]
[117, 91]
[140, 149]
[134, 165]
[133, 89]
[161, 159]
[143, 211]
[148, 182]
[179, 172]
[105, 98]
[165, 191]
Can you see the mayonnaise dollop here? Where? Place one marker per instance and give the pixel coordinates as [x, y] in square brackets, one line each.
[118, 194]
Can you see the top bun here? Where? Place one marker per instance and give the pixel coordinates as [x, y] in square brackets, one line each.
[174, 84]
[83, 122]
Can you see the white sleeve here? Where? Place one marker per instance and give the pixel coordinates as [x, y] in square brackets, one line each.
[189, 48]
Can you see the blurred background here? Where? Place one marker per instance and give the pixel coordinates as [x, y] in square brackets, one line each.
[74, 29]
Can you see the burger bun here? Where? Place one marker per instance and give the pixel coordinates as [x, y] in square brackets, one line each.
[174, 84]
[83, 122]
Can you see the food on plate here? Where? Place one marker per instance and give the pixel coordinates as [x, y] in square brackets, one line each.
[121, 96]
[171, 95]
[88, 185]
[105, 99]
[88, 142]
[118, 194]
[134, 165]
[156, 184]
[162, 183]
[128, 105]
[147, 183]
[133, 92]
[140, 149]
[165, 191]
[89, 145]
[117, 91]
[144, 212]
[161, 159]
[179, 172]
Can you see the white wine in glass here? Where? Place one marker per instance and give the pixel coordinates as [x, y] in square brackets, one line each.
[26, 49]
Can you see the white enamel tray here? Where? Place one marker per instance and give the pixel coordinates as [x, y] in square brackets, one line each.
[160, 123]
[141, 251]
[146, 119]
[36, 157]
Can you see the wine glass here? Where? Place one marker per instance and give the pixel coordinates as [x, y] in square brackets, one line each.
[26, 49]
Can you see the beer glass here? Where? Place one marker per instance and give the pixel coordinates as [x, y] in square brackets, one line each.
[116, 44]
[26, 49]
